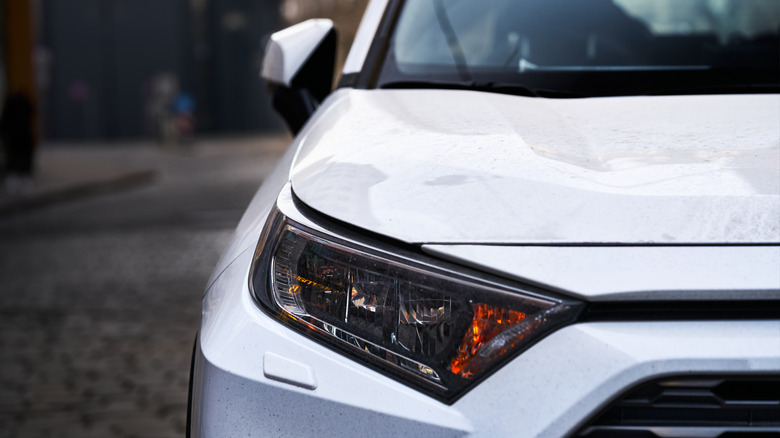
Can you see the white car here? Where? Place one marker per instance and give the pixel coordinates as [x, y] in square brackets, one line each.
[511, 218]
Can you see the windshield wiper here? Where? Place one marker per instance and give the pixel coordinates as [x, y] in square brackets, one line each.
[491, 87]
[452, 40]
[525, 66]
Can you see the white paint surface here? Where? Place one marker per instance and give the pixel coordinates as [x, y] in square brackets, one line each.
[443, 166]
[546, 391]
[278, 367]
[364, 36]
[632, 273]
[290, 48]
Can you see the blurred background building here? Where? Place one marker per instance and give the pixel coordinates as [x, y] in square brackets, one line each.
[115, 69]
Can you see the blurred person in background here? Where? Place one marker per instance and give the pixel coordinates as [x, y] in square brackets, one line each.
[183, 109]
[18, 140]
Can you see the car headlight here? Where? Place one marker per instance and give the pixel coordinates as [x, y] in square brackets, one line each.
[433, 327]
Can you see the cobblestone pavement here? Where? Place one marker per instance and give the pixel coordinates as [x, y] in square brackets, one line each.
[100, 297]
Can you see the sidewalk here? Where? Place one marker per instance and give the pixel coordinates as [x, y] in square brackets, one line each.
[68, 171]
[100, 297]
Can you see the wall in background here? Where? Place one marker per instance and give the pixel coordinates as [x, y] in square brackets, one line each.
[109, 68]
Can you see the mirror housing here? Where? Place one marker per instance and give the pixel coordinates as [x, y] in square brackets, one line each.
[298, 68]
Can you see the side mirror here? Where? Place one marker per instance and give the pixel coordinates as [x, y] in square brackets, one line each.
[298, 67]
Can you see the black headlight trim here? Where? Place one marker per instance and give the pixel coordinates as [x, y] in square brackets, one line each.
[261, 288]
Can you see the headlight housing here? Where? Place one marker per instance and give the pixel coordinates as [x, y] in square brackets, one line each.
[434, 327]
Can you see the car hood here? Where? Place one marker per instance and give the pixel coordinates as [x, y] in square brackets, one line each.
[451, 166]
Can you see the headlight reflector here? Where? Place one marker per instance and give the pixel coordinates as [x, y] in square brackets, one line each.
[437, 329]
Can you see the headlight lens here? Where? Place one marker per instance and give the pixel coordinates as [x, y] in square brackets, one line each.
[434, 328]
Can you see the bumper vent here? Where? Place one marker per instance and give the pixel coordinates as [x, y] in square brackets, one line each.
[686, 407]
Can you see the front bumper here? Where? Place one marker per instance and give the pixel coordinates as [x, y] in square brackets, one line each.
[255, 377]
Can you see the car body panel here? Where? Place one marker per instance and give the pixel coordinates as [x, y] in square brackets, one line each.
[546, 391]
[632, 273]
[364, 36]
[644, 199]
[234, 338]
[248, 229]
[287, 50]
[628, 170]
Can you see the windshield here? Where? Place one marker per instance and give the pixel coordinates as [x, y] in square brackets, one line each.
[587, 47]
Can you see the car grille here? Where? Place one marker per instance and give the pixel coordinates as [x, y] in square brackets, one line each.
[685, 407]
